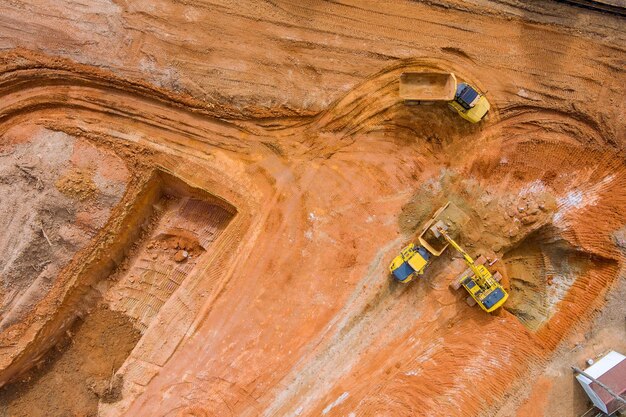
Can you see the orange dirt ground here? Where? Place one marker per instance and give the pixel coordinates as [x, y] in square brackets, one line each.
[199, 201]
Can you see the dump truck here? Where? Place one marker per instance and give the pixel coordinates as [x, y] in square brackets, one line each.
[482, 286]
[430, 87]
[413, 259]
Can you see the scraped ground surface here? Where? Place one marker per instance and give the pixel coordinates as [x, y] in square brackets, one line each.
[57, 192]
[220, 187]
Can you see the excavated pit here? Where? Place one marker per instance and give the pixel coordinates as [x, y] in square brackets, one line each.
[542, 269]
[170, 229]
[288, 307]
[183, 224]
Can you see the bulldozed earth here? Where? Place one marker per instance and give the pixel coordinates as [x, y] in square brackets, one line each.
[199, 202]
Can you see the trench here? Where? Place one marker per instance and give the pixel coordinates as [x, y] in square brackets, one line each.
[167, 233]
[542, 269]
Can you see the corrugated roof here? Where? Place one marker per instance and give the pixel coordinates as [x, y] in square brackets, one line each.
[607, 362]
[614, 378]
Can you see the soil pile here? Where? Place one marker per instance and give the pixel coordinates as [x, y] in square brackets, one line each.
[56, 194]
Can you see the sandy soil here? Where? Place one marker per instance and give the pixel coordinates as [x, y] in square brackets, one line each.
[77, 374]
[57, 192]
[268, 141]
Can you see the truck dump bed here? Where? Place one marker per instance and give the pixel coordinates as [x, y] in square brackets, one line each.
[427, 86]
[453, 218]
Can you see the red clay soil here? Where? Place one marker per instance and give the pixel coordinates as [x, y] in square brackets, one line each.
[281, 123]
[76, 374]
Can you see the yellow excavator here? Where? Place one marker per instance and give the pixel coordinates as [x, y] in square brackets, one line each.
[483, 287]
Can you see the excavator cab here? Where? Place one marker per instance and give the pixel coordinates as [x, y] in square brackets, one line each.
[466, 96]
[484, 288]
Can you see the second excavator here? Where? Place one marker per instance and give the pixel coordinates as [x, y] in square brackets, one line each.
[483, 287]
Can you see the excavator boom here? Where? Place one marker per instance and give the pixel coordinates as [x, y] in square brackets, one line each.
[468, 259]
[481, 285]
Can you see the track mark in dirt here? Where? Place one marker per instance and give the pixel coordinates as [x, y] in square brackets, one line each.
[181, 229]
[457, 51]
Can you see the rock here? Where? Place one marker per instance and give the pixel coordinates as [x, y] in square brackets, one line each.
[181, 255]
[97, 386]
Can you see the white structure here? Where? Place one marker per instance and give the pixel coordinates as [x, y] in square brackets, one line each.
[611, 371]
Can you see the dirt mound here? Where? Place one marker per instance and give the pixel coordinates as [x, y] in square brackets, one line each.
[45, 228]
[77, 184]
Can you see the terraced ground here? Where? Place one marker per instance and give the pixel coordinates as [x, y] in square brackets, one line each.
[226, 184]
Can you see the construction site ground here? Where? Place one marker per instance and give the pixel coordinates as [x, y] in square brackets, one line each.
[199, 202]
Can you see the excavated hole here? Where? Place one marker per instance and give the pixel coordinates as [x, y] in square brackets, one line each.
[179, 231]
[542, 269]
[174, 230]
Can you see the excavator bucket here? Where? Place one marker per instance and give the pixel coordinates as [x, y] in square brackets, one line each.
[451, 218]
[427, 86]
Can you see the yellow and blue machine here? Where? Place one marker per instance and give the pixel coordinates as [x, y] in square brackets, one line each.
[479, 282]
[411, 262]
[432, 86]
[469, 103]
[413, 259]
